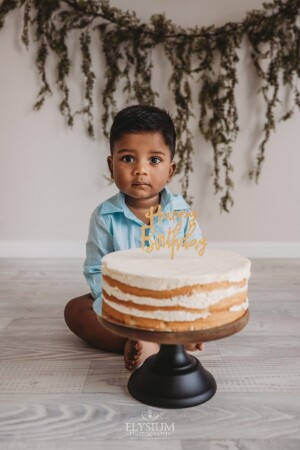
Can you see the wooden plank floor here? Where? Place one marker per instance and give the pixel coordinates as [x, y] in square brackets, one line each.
[57, 393]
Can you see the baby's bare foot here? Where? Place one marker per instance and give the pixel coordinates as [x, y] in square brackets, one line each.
[135, 352]
[195, 346]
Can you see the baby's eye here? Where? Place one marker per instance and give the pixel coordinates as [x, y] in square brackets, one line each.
[155, 159]
[128, 158]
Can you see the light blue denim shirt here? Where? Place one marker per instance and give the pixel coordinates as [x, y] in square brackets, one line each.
[114, 227]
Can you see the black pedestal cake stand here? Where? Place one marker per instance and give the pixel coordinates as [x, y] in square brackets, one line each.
[172, 378]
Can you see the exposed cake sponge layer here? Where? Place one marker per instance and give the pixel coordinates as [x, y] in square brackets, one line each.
[226, 303]
[213, 320]
[190, 297]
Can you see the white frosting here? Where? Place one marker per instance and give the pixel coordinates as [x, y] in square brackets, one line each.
[159, 314]
[157, 271]
[199, 300]
[242, 306]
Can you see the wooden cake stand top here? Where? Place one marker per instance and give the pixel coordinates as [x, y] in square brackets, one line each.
[175, 337]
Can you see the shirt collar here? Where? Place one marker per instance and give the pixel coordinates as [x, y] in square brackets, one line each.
[168, 201]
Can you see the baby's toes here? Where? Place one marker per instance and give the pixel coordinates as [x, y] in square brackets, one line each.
[132, 364]
[129, 365]
[138, 347]
[134, 356]
[135, 347]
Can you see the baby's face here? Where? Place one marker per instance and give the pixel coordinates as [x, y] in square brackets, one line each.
[141, 164]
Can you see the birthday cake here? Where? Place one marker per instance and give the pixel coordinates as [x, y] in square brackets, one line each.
[189, 292]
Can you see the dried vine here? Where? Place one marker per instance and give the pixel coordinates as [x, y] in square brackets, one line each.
[207, 56]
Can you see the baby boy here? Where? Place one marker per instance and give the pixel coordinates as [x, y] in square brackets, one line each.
[142, 146]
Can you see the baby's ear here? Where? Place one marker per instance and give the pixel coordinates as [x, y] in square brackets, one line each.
[110, 165]
[172, 169]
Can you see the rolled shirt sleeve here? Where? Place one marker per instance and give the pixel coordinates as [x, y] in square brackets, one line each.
[99, 244]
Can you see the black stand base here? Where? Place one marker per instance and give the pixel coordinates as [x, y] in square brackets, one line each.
[172, 379]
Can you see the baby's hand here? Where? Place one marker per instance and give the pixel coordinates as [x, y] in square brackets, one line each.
[194, 346]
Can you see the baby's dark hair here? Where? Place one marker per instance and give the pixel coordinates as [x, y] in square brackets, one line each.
[139, 119]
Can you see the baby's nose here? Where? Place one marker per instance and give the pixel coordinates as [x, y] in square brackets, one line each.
[139, 169]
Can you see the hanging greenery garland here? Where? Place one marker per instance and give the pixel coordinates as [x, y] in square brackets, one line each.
[207, 56]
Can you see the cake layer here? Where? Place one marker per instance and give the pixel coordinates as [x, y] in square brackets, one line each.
[195, 296]
[210, 321]
[229, 302]
[161, 293]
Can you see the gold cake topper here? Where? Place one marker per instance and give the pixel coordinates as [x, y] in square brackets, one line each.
[155, 241]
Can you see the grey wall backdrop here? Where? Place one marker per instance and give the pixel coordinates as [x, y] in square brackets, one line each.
[51, 177]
